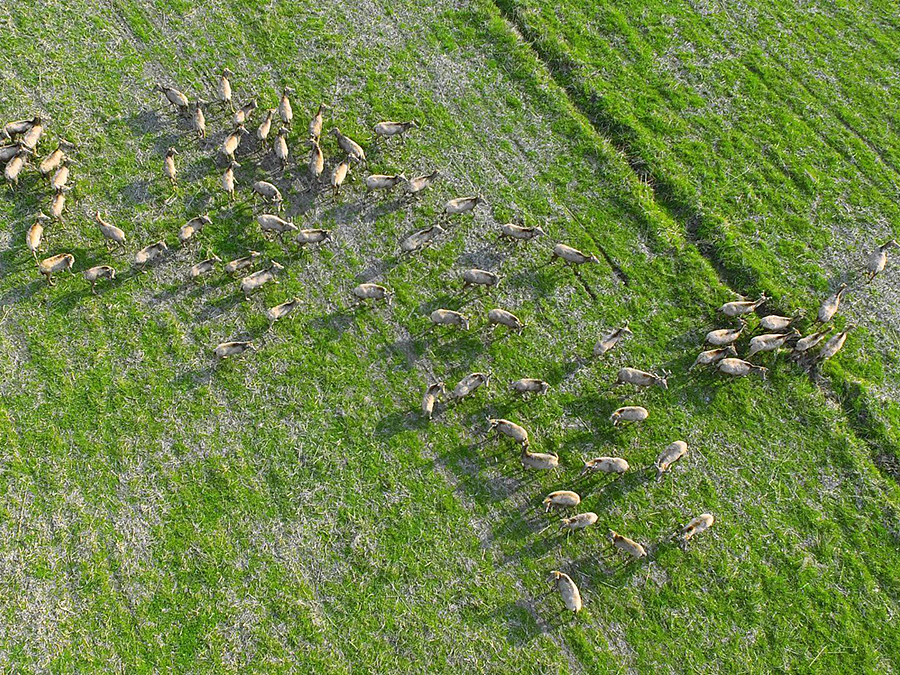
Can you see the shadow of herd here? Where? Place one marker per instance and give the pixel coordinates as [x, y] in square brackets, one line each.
[19, 142]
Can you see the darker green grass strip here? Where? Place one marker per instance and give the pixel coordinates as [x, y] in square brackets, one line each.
[707, 230]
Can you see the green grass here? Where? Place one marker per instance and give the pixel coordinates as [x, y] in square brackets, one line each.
[289, 510]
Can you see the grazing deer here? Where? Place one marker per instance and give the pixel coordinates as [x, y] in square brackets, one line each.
[561, 499]
[740, 368]
[579, 522]
[640, 378]
[572, 256]
[605, 465]
[529, 385]
[510, 429]
[568, 591]
[500, 317]
[94, 274]
[313, 236]
[416, 185]
[517, 232]
[628, 546]
[629, 413]
[447, 317]
[365, 292]
[476, 277]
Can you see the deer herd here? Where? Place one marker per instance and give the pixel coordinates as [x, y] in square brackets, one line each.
[20, 140]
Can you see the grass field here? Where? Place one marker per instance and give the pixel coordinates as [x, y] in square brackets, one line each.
[770, 134]
[290, 510]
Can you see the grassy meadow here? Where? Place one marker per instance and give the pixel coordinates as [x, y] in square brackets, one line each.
[290, 510]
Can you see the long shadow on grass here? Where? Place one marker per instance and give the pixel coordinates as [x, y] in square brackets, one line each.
[377, 269]
[336, 323]
[21, 293]
[219, 306]
[400, 421]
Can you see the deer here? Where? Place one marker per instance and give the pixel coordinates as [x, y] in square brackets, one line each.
[468, 385]
[611, 339]
[628, 546]
[740, 368]
[713, 356]
[94, 274]
[447, 317]
[418, 184]
[567, 590]
[741, 307]
[561, 499]
[62, 262]
[390, 129]
[519, 233]
[640, 378]
[629, 413]
[365, 292]
[432, 391]
[878, 259]
[672, 453]
[830, 307]
[510, 429]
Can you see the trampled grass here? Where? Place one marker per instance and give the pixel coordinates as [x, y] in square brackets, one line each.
[289, 509]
